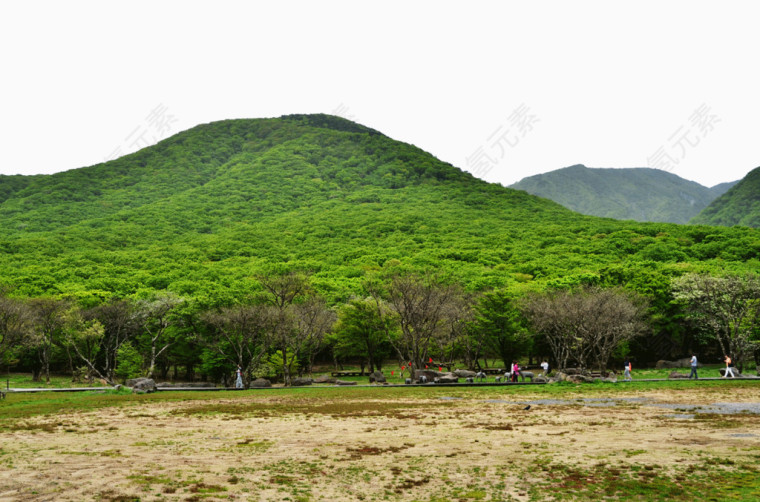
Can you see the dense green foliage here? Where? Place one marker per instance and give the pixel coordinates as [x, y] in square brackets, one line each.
[203, 211]
[738, 206]
[639, 194]
[208, 212]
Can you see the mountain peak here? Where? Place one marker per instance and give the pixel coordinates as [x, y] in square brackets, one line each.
[333, 122]
[639, 193]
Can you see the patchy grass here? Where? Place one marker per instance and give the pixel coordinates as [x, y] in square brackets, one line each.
[422, 444]
[25, 381]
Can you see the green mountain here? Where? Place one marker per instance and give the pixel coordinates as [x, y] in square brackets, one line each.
[738, 206]
[204, 211]
[640, 194]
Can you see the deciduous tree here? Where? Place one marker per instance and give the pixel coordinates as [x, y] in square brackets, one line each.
[728, 306]
[586, 324]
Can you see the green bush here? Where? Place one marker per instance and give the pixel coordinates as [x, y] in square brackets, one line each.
[129, 362]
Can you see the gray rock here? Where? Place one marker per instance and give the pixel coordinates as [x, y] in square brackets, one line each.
[679, 363]
[430, 375]
[300, 382]
[408, 381]
[344, 382]
[325, 379]
[117, 386]
[470, 380]
[579, 379]
[540, 379]
[141, 385]
[261, 383]
[465, 373]
[675, 375]
[377, 377]
[447, 378]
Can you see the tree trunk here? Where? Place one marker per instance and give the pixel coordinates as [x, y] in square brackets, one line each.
[285, 368]
[71, 361]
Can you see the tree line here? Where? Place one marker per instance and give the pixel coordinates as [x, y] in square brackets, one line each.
[414, 320]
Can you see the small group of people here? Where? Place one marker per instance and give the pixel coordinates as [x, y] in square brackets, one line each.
[515, 373]
[726, 359]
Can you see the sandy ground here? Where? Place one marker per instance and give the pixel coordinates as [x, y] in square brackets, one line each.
[365, 446]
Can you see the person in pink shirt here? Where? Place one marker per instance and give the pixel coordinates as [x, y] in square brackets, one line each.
[515, 371]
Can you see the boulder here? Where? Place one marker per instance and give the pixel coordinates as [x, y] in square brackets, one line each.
[579, 379]
[300, 382]
[377, 377]
[430, 375]
[325, 379]
[465, 373]
[447, 378]
[344, 382]
[675, 374]
[141, 385]
[612, 378]
[679, 363]
[540, 379]
[571, 371]
[261, 383]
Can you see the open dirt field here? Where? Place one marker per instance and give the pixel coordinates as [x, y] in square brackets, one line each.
[436, 444]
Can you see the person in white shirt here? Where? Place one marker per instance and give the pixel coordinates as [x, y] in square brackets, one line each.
[693, 367]
[545, 367]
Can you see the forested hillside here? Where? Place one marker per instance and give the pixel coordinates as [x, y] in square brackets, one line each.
[201, 221]
[204, 210]
[639, 194]
[738, 206]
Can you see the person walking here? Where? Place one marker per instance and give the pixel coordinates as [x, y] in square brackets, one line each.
[728, 367]
[693, 367]
[627, 370]
[515, 371]
[239, 381]
[545, 368]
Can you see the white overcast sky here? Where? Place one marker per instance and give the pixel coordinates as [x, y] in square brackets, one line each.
[507, 89]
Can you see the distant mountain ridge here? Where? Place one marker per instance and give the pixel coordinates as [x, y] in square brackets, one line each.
[740, 205]
[641, 194]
